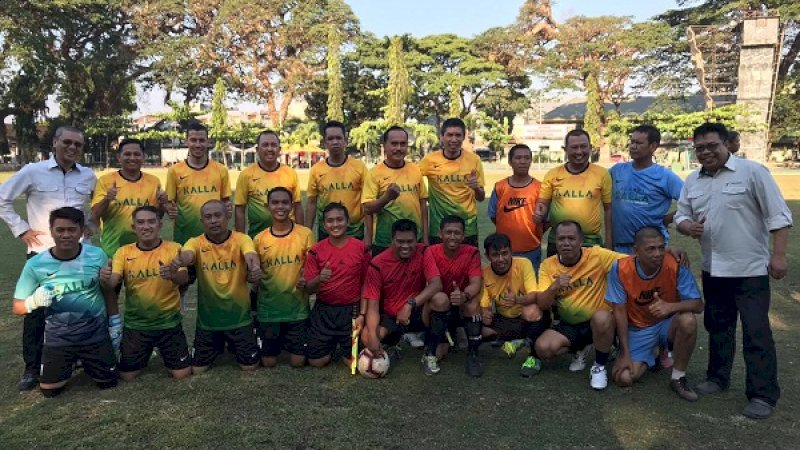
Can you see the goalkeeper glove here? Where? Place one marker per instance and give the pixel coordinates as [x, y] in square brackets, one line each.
[42, 297]
[115, 330]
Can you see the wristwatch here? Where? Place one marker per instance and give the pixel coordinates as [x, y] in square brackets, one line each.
[412, 302]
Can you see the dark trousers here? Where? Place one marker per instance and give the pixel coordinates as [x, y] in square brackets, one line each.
[747, 297]
[33, 337]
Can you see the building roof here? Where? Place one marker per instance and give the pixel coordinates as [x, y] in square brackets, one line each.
[573, 109]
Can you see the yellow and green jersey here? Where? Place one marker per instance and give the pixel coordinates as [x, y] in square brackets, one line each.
[448, 191]
[151, 302]
[190, 188]
[520, 278]
[587, 288]
[343, 184]
[116, 224]
[405, 206]
[579, 197]
[251, 190]
[223, 298]
[282, 260]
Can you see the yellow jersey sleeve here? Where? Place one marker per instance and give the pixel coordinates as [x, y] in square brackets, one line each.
[242, 189]
[118, 261]
[370, 191]
[607, 187]
[172, 184]
[313, 179]
[529, 283]
[246, 244]
[100, 190]
[225, 189]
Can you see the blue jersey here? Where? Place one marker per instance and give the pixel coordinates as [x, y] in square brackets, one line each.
[641, 198]
[79, 317]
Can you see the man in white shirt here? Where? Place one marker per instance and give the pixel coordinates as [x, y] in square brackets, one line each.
[50, 184]
[731, 206]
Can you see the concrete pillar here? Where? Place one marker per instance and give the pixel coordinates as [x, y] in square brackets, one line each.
[757, 64]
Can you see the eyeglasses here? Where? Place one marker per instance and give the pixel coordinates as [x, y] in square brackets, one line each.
[710, 147]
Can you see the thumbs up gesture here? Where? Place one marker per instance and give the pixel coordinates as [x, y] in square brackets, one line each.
[326, 272]
[165, 271]
[105, 274]
[177, 262]
[561, 281]
[659, 308]
[508, 299]
[161, 197]
[456, 296]
[472, 179]
[111, 193]
[392, 191]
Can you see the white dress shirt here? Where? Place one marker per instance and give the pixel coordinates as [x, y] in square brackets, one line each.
[47, 187]
[742, 204]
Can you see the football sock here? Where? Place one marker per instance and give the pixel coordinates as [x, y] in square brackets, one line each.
[600, 358]
[435, 333]
[473, 326]
[678, 374]
[532, 331]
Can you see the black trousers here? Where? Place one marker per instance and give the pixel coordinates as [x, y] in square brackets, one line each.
[748, 298]
[33, 337]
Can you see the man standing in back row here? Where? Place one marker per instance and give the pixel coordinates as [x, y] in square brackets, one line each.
[455, 182]
[338, 178]
[731, 206]
[577, 191]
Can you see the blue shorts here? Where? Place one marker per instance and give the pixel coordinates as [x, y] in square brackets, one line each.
[534, 256]
[644, 341]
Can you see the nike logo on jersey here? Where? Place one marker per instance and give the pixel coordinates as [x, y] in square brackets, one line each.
[182, 177]
[256, 179]
[508, 210]
[205, 249]
[51, 275]
[489, 285]
[130, 259]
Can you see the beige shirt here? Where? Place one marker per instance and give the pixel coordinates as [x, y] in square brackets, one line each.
[742, 205]
[47, 187]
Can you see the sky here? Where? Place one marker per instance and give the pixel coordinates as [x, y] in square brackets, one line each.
[471, 17]
[462, 17]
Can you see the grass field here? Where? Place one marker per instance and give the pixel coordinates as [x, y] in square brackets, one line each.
[328, 408]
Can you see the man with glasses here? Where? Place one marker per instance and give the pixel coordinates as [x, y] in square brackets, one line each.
[732, 206]
[48, 185]
[643, 191]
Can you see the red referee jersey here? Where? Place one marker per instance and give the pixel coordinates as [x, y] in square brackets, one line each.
[348, 269]
[393, 281]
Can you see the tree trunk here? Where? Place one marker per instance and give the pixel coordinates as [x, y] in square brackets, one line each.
[790, 58]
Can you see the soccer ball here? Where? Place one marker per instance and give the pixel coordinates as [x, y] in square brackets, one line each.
[371, 366]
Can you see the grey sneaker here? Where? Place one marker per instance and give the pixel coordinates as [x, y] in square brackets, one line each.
[28, 381]
[474, 367]
[681, 387]
[430, 364]
[708, 387]
[758, 409]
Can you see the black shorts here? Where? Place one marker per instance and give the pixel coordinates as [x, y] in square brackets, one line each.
[579, 335]
[330, 326]
[394, 330]
[138, 345]
[99, 362]
[279, 336]
[469, 240]
[508, 328]
[209, 344]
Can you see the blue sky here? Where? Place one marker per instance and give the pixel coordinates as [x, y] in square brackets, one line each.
[470, 17]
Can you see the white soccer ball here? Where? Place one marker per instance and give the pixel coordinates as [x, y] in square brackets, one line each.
[371, 366]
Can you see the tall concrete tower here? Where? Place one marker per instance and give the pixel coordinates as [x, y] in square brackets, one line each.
[758, 60]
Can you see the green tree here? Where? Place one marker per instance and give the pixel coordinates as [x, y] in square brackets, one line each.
[334, 104]
[107, 129]
[398, 89]
[219, 118]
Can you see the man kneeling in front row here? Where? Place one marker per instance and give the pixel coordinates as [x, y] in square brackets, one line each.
[654, 300]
